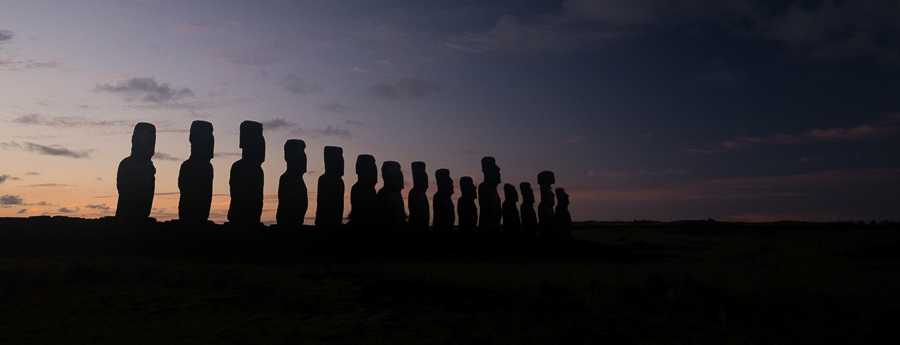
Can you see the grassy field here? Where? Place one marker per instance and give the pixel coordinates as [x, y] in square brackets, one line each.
[80, 281]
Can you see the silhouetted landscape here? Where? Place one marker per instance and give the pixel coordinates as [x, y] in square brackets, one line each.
[71, 280]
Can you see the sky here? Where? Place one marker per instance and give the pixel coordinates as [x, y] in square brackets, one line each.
[736, 110]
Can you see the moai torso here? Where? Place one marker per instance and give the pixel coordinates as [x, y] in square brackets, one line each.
[529, 218]
[419, 209]
[293, 199]
[136, 176]
[195, 178]
[247, 177]
[363, 197]
[444, 214]
[330, 193]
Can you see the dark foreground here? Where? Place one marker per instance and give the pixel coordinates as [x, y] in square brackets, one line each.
[65, 280]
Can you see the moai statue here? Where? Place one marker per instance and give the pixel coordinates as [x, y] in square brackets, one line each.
[562, 213]
[546, 216]
[511, 224]
[419, 210]
[363, 197]
[136, 177]
[488, 198]
[246, 181]
[468, 213]
[529, 218]
[444, 214]
[392, 212]
[330, 200]
[292, 194]
[195, 178]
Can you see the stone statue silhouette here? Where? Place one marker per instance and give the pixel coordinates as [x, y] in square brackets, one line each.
[392, 213]
[511, 224]
[292, 194]
[468, 213]
[330, 200]
[546, 216]
[195, 178]
[444, 214]
[529, 218]
[246, 180]
[562, 213]
[136, 176]
[363, 197]
[488, 198]
[419, 209]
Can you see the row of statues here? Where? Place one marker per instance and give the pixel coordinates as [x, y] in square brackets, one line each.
[384, 209]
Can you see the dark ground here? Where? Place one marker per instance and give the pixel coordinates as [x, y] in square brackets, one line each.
[66, 280]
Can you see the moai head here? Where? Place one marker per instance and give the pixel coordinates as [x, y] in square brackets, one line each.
[443, 180]
[509, 193]
[366, 170]
[392, 175]
[545, 178]
[562, 197]
[143, 141]
[252, 142]
[527, 192]
[491, 170]
[334, 160]
[202, 140]
[295, 154]
[467, 187]
[420, 177]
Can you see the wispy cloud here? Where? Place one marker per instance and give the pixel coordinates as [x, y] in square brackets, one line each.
[5, 35]
[162, 156]
[334, 107]
[101, 207]
[5, 177]
[226, 154]
[888, 125]
[68, 210]
[409, 87]
[299, 86]
[42, 185]
[68, 121]
[277, 124]
[23, 65]
[330, 131]
[54, 150]
[146, 90]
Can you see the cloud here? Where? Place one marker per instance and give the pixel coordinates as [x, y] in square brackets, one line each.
[8, 199]
[226, 154]
[102, 207]
[276, 124]
[409, 87]
[68, 121]
[548, 33]
[333, 107]
[162, 156]
[330, 131]
[146, 90]
[22, 65]
[41, 185]
[5, 177]
[68, 210]
[888, 125]
[54, 150]
[299, 86]
[6, 35]
[32, 173]
[22, 211]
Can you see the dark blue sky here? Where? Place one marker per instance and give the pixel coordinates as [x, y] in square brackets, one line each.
[735, 110]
